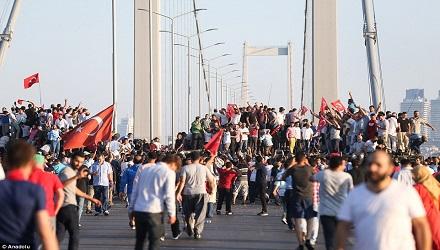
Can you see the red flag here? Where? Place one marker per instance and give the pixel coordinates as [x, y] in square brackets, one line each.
[213, 144]
[324, 105]
[275, 130]
[230, 110]
[321, 124]
[31, 80]
[20, 101]
[304, 110]
[339, 106]
[90, 132]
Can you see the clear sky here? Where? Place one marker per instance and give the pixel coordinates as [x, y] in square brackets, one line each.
[69, 43]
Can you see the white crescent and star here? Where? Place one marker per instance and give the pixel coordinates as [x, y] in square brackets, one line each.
[92, 133]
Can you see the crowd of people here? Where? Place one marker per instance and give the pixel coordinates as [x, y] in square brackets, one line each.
[260, 129]
[353, 169]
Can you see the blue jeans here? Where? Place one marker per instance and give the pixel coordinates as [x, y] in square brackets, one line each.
[335, 145]
[80, 201]
[243, 145]
[210, 212]
[329, 224]
[101, 193]
[55, 147]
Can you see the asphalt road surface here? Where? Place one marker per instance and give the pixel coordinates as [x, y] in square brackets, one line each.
[242, 230]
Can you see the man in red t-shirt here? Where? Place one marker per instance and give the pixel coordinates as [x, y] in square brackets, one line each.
[227, 177]
[253, 138]
[51, 185]
[372, 127]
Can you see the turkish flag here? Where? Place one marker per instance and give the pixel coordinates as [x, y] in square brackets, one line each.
[339, 106]
[230, 110]
[31, 80]
[304, 110]
[274, 131]
[91, 131]
[213, 144]
[20, 101]
[324, 105]
[321, 124]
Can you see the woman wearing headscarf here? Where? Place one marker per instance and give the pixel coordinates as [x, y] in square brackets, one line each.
[429, 190]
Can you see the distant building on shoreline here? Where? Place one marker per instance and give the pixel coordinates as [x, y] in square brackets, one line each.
[415, 101]
[435, 120]
[125, 126]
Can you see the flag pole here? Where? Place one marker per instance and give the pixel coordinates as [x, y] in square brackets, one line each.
[114, 76]
[41, 99]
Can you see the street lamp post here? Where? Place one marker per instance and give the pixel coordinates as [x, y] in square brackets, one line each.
[216, 79]
[234, 90]
[200, 65]
[172, 19]
[188, 46]
[209, 67]
[222, 79]
[115, 106]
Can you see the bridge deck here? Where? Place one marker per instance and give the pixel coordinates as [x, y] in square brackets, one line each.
[243, 230]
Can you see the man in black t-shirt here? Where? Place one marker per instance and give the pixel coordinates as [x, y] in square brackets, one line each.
[261, 183]
[245, 116]
[301, 207]
[81, 184]
[252, 116]
[403, 131]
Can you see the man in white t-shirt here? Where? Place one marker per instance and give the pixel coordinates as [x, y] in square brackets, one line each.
[244, 133]
[235, 119]
[385, 214]
[405, 175]
[114, 146]
[61, 123]
[280, 117]
[307, 135]
[392, 132]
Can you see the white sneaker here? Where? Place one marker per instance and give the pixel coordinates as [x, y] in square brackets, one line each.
[162, 238]
[263, 214]
[106, 213]
[178, 236]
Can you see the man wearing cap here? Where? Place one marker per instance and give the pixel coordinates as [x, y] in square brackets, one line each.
[51, 185]
[4, 121]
